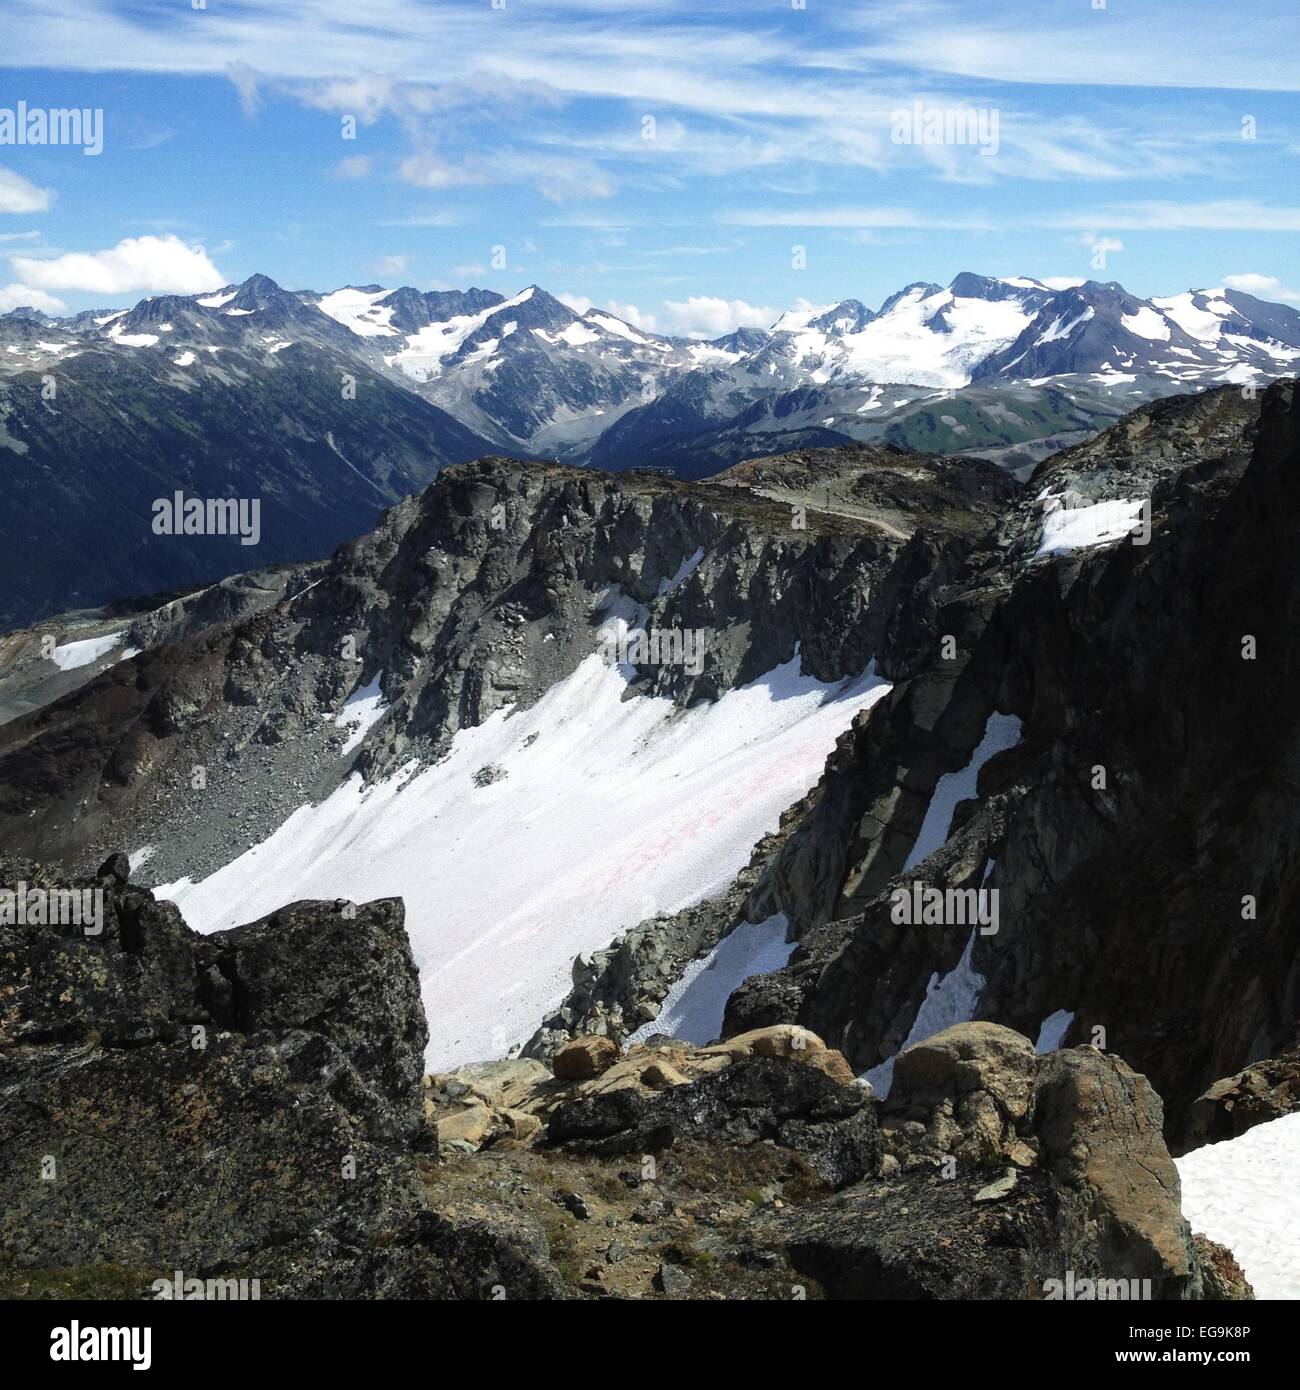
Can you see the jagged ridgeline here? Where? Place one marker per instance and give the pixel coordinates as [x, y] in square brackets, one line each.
[951, 786]
[323, 409]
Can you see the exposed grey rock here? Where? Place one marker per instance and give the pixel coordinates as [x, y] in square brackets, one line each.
[756, 1099]
[1137, 834]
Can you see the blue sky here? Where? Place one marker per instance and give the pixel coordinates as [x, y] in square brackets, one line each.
[663, 158]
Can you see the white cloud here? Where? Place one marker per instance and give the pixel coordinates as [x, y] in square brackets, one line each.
[25, 297]
[559, 178]
[444, 217]
[579, 303]
[248, 84]
[629, 313]
[702, 316]
[17, 194]
[1261, 286]
[555, 177]
[392, 265]
[1196, 43]
[148, 264]
[354, 166]
[429, 170]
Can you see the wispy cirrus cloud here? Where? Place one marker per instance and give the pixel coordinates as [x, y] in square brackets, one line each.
[1191, 44]
[876, 218]
[1167, 215]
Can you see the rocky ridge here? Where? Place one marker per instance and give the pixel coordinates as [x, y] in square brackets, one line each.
[265, 1083]
[1120, 804]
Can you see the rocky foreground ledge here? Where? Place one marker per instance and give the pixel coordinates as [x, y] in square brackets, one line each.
[251, 1105]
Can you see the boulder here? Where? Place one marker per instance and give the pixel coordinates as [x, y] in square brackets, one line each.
[584, 1058]
[753, 1100]
[661, 1073]
[1101, 1130]
[1263, 1091]
[263, 1084]
[970, 1087]
[472, 1125]
[511, 1082]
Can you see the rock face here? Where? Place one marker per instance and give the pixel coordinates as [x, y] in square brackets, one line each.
[480, 592]
[246, 1102]
[1136, 831]
[1260, 1092]
[1007, 1176]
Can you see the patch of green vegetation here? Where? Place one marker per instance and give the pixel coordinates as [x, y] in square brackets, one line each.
[98, 1281]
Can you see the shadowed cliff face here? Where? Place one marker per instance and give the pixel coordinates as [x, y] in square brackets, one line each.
[1139, 834]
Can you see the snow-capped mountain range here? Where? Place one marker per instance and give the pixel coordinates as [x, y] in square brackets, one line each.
[331, 406]
[534, 376]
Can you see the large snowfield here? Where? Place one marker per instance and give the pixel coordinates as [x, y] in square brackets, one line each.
[1245, 1193]
[610, 810]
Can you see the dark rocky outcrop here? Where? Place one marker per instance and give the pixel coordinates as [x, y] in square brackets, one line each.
[249, 1105]
[1139, 833]
[482, 591]
[246, 1104]
[1258, 1093]
[762, 1098]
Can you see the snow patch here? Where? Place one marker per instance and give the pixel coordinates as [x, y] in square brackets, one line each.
[1053, 1028]
[362, 710]
[360, 311]
[618, 328]
[694, 1007]
[1244, 1193]
[132, 339]
[684, 571]
[1002, 731]
[611, 810]
[948, 1002]
[424, 353]
[72, 655]
[1147, 323]
[1075, 528]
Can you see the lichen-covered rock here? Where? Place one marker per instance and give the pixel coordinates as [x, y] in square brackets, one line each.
[1101, 1130]
[249, 1101]
[758, 1098]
